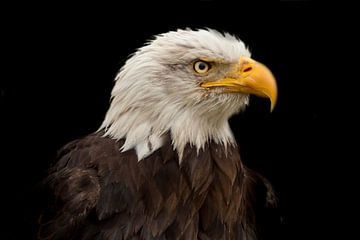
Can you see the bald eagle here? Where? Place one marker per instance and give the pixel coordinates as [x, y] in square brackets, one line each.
[164, 164]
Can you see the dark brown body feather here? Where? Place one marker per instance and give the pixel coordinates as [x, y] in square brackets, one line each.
[101, 193]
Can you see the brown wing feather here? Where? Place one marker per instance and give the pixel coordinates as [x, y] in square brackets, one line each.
[75, 189]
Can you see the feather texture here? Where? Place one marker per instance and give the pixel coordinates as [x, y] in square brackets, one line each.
[103, 193]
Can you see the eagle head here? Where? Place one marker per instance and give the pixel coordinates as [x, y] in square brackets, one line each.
[187, 83]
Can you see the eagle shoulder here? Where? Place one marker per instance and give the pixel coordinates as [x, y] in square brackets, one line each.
[74, 185]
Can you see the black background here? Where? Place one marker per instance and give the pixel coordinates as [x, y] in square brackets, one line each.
[61, 60]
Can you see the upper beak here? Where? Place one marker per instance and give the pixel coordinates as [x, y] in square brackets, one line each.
[251, 77]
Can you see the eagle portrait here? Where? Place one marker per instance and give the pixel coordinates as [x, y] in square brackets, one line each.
[164, 164]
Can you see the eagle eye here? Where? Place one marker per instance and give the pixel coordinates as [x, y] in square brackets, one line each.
[201, 67]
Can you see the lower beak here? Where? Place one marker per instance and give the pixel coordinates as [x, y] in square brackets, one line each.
[252, 78]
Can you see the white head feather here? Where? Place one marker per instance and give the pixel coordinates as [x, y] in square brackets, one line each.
[156, 92]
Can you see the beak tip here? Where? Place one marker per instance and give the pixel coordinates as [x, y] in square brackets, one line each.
[273, 101]
[272, 108]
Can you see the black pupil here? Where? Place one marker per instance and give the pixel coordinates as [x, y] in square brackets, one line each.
[202, 66]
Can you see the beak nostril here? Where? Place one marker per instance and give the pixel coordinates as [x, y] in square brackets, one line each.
[247, 69]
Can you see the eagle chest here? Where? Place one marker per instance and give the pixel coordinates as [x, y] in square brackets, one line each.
[158, 194]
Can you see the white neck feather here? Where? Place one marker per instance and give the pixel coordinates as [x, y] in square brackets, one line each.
[143, 127]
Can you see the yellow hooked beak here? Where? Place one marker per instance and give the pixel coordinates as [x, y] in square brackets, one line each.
[252, 78]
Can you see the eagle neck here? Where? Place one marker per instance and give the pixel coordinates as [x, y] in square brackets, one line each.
[197, 131]
[145, 132]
